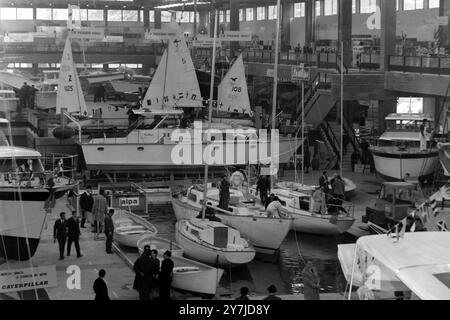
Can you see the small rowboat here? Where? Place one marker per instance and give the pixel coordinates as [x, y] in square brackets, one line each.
[160, 244]
[194, 276]
[129, 228]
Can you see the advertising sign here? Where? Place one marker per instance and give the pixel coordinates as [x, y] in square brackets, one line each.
[28, 279]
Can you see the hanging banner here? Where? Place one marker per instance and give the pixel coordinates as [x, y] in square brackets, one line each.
[160, 35]
[241, 36]
[206, 42]
[442, 21]
[19, 37]
[301, 73]
[52, 32]
[113, 39]
[88, 34]
[28, 279]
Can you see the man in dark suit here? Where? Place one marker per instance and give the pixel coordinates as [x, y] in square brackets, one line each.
[60, 233]
[109, 230]
[165, 276]
[154, 271]
[100, 287]
[73, 234]
[143, 278]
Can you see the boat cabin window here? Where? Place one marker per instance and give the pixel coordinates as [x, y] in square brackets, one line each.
[402, 144]
[304, 203]
[402, 196]
[10, 166]
[406, 125]
[192, 197]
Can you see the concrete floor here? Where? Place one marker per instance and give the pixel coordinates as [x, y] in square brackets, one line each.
[120, 277]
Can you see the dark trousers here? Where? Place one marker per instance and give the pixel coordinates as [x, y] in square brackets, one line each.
[109, 240]
[263, 196]
[83, 218]
[76, 241]
[97, 227]
[62, 244]
[164, 288]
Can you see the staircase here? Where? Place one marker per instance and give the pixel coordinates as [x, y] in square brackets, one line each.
[318, 102]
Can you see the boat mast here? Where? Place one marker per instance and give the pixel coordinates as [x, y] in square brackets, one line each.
[342, 108]
[275, 89]
[165, 74]
[211, 97]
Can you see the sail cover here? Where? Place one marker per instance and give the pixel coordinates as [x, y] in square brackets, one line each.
[233, 93]
[175, 82]
[69, 93]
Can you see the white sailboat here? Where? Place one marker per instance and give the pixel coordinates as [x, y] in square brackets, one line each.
[233, 103]
[175, 83]
[265, 233]
[69, 94]
[213, 242]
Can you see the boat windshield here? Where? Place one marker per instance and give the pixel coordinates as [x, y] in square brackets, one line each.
[16, 171]
[406, 125]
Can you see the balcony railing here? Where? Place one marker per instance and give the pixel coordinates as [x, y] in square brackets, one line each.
[420, 64]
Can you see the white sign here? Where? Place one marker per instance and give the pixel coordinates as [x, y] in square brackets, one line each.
[113, 39]
[206, 42]
[301, 73]
[19, 37]
[52, 32]
[28, 279]
[236, 36]
[160, 34]
[88, 34]
[442, 21]
[129, 202]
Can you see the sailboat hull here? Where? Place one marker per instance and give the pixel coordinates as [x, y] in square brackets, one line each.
[393, 166]
[265, 234]
[307, 223]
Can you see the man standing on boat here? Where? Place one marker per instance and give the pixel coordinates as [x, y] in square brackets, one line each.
[263, 187]
[323, 182]
[165, 276]
[143, 278]
[224, 195]
[60, 233]
[423, 138]
[109, 230]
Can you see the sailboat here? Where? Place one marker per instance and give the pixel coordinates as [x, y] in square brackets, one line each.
[25, 198]
[265, 233]
[173, 89]
[233, 103]
[69, 94]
